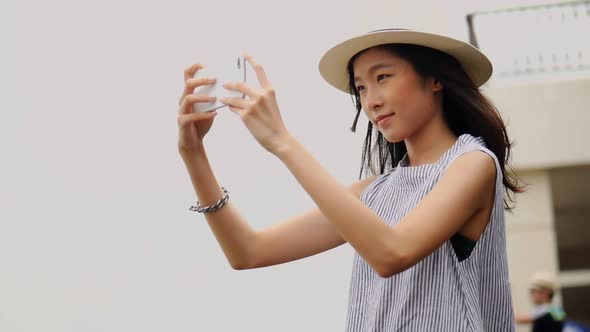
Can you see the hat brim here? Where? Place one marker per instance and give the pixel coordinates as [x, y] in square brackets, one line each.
[333, 65]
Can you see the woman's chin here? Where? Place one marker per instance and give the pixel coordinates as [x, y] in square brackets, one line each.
[392, 138]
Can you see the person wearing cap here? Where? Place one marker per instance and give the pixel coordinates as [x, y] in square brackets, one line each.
[427, 222]
[546, 316]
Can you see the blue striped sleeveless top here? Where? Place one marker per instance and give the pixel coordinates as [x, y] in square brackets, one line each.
[440, 293]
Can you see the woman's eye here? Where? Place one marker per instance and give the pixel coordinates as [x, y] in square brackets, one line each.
[382, 76]
[360, 88]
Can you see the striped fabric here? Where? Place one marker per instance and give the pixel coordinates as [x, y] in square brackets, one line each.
[439, 293]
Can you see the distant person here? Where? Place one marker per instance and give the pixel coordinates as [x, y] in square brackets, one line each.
[546, 315]
[427, 224]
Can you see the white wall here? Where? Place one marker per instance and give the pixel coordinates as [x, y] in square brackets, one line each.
[531, 238]
[549, 122]
[95, 232]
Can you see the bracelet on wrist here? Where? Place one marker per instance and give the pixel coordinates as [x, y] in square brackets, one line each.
[218, 205]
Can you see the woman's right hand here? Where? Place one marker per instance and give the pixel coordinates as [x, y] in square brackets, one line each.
[192, 127]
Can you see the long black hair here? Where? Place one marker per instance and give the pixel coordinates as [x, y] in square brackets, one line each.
[466, 110]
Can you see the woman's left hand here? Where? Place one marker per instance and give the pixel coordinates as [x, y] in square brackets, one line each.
[260, 110]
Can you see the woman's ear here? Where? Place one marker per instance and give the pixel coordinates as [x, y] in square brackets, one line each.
[436, 85]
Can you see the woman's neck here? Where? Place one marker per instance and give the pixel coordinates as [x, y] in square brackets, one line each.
[428, 144]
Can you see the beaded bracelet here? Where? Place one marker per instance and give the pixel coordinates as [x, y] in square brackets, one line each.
[220, 203]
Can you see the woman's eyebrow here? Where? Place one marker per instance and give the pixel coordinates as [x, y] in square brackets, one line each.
[374, 68]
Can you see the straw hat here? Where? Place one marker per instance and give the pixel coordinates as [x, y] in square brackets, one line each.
[333, 64]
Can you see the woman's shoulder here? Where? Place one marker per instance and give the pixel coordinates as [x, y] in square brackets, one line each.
[472, 163]
[468, 143]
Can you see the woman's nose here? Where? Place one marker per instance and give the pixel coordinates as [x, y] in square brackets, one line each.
[374, 100]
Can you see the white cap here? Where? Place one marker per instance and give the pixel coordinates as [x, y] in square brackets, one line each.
[543, 280]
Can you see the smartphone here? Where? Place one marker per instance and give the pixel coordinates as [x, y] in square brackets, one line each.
[224, 69]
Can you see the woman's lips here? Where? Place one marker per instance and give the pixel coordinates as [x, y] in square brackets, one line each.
[384, 120]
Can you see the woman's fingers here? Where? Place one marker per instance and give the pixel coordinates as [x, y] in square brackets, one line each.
[192, 83]
[191, 70]
[241, 87]
[259, 70]
[235, 102]
[237, 111]
[188, 101]
[186, 119]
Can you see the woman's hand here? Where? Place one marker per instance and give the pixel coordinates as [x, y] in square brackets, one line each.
[192, 127]
[259, 111]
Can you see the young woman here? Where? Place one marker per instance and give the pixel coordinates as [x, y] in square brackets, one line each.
[428, 228]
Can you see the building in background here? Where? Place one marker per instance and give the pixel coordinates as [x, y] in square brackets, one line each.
[541, 84]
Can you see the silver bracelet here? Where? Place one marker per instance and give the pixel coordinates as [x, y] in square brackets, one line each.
[220, 203]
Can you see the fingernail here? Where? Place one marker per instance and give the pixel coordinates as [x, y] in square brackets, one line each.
[212, 98]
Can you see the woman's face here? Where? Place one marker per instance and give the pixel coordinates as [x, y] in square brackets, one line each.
[394, 98]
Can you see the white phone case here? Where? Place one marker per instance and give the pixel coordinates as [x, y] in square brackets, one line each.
[224, 69]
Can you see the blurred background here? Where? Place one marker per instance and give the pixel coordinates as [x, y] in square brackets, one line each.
[541, 82]
[95, 231]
